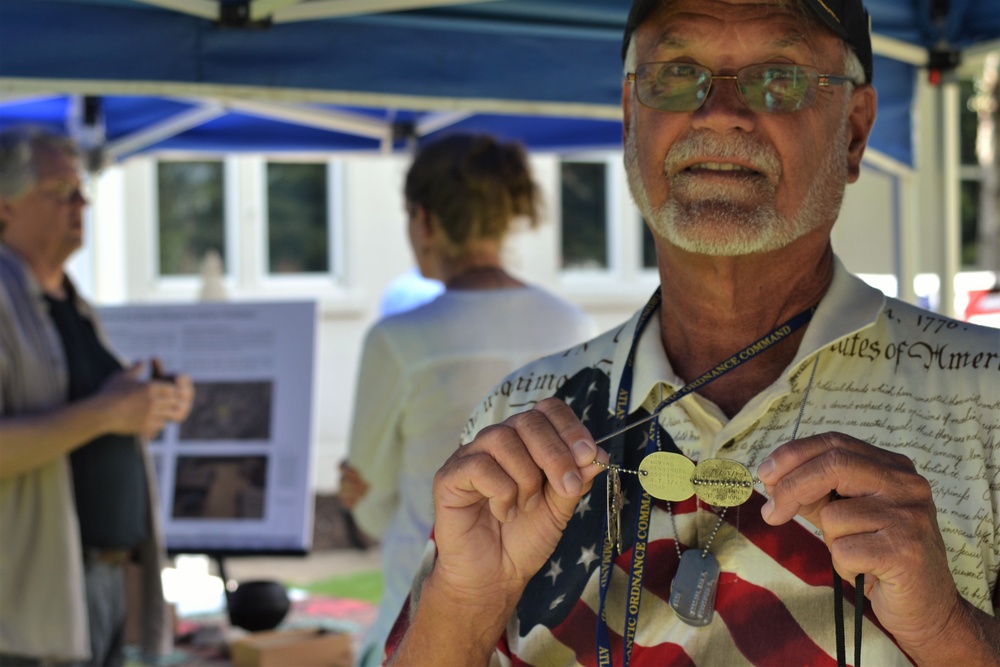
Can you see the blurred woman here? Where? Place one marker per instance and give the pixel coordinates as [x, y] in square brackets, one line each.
[424, 371]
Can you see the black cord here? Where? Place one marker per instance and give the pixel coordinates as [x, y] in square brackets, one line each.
[838, 617]
[859, 616]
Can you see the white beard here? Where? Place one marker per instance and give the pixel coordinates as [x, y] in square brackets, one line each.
[709, 222]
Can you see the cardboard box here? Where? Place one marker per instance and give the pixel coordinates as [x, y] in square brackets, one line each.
[292, 648]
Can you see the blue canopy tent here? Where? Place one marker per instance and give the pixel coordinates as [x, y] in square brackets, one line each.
[129, 76]
[366, 73]
[358, 74]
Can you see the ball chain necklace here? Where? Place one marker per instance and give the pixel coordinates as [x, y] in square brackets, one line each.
[673, 477]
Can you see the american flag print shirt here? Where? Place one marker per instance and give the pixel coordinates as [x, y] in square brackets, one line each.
[883, 376]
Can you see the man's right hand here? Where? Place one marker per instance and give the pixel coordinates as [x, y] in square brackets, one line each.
[501, 504]
[141, 407]
[125, 404]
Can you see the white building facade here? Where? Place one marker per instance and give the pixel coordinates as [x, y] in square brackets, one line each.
[366, 248]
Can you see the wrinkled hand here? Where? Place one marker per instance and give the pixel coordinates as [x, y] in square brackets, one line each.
[884, 525]
[353, 487]
[143, 407]
[183, 384]
[502, 502]
[184, 399]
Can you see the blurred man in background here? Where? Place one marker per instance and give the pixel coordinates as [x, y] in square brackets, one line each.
[77, 499]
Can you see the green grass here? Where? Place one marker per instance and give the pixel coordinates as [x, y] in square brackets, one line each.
[365, 586]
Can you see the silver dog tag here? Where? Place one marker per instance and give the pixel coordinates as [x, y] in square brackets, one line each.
[692, 592]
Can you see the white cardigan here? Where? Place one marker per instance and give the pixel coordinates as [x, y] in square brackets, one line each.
[43, 609]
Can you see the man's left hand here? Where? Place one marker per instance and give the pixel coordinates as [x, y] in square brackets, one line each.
[877, 516]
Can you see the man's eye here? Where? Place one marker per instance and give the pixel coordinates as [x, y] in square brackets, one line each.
[680, 71]
[778, 74]
[783, 81]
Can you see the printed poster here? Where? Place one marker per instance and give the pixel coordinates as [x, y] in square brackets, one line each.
[235, 476]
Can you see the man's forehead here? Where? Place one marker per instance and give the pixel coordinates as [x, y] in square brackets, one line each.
[778, 14]
[674, 35]
[846, 20]
[681, 23]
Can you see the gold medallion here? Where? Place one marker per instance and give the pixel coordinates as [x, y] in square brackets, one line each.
[722, 482]
[667, 476]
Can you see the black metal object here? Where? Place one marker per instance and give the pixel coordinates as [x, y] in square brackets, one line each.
[942, 58]
[237, 16]
[254, 605]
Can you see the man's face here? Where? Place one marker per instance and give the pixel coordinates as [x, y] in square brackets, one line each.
[724, 180]
[47, 221]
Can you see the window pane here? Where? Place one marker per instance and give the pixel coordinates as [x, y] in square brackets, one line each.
[970, 221]
[584, 215]
[297, 230]
[191, 215]
[968, 124]
[648, 246]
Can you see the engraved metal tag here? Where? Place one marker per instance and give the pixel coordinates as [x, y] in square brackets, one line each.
[667, 476]
[692, 592]
[615, 502]
[722, 482]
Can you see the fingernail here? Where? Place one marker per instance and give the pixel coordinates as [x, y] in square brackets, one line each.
[584, 451]
[767, 509]
[765, 469]
[572, 482]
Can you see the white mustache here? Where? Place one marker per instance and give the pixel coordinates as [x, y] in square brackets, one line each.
[712, 148]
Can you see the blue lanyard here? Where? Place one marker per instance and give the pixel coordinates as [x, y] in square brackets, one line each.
[616, 451]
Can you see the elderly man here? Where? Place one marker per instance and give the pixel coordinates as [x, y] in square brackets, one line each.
[76, 494]
[871, 425]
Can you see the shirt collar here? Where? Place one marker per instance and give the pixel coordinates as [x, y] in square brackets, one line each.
[848, 306]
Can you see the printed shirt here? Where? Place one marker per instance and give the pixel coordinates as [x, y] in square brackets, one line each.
[888, 373]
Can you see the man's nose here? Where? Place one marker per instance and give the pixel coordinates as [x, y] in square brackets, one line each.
[724, 108]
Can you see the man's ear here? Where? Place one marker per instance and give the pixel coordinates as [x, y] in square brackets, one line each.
[626, 110]
[864, 101]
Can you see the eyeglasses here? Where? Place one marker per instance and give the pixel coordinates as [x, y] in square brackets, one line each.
[765, 88]
[66, 195]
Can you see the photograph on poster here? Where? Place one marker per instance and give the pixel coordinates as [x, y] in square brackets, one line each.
[220, 487]
[229, 411]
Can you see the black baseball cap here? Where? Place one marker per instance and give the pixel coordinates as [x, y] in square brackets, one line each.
[847, 18]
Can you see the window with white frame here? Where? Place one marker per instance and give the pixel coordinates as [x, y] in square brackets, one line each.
[191, 214]
[980, 97]
[584, 197]
[601, 230]
[298, 229]
[266, 218]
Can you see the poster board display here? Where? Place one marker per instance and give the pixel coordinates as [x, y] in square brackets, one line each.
[235, 476]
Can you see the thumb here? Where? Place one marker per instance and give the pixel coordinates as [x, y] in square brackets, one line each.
[577, 482]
